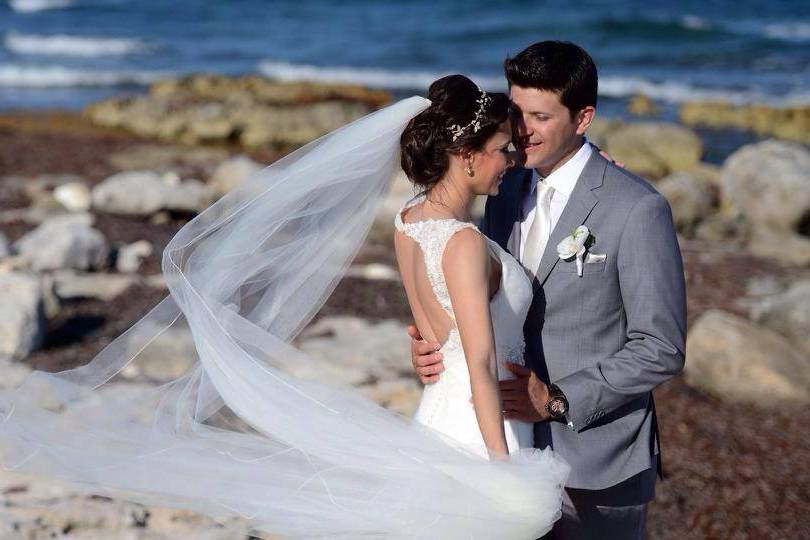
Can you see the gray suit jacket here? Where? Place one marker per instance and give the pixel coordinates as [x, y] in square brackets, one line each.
[609, 337]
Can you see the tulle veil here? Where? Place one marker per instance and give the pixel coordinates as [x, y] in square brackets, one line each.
[236, 436]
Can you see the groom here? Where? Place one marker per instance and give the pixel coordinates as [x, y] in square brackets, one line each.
[603, 331]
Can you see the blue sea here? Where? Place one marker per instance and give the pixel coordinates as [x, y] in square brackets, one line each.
[67, 53]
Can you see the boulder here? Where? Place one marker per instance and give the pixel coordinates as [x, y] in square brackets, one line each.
[691, 198]
[143, 193]
[787, 313]
[136, 193]
[64, 242]
[788, 123]
[250, 110]
[786, 247]
[189, 196]
[654, 149]
[22, 320]
[131, 256]
[232, 173]
[74, 196]
[732, 358]
[769, 184]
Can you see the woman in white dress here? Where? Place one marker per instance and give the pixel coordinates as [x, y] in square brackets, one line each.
[464, 290]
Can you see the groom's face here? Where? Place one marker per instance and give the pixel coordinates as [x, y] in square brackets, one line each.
[543, 128]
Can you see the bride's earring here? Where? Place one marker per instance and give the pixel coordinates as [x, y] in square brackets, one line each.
[468, 169]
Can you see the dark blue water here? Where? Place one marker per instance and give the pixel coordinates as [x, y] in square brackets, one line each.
[66, 53]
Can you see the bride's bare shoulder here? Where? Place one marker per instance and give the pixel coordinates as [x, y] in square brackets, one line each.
[466, 251]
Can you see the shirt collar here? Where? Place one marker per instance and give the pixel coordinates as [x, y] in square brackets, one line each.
[565, 178]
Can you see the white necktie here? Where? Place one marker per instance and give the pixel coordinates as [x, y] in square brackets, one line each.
[540, 229]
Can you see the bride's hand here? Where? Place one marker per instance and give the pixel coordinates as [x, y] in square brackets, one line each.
[498, 455]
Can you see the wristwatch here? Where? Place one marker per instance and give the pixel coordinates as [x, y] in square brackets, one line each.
[557, 405]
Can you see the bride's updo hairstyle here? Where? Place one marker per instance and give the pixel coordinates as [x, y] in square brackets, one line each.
[460, 118]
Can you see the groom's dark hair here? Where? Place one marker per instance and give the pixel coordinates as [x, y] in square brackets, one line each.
[558, 66]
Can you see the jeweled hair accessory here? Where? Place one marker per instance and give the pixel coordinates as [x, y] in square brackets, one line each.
[457, 130]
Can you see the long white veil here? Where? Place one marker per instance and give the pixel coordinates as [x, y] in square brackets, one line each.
[236, 435]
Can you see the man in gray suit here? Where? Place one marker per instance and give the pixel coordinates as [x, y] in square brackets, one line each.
[607, 323]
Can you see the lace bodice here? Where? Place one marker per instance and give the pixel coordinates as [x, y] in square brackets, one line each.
[510, 304]
[432, 236]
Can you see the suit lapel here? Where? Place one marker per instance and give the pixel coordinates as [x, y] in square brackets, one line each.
[514, 211]
[579, 207]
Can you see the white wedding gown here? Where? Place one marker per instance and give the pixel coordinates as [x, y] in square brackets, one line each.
[445, 405]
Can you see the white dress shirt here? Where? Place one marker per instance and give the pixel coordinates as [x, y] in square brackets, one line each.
[563, 180]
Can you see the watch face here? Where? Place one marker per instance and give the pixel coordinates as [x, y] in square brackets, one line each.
[557, 407]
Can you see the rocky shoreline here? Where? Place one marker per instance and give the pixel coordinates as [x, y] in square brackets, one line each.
[81, 240]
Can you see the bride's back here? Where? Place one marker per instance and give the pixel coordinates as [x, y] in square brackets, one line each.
[433, 322]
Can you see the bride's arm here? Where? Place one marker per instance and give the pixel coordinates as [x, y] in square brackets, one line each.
[466, 272]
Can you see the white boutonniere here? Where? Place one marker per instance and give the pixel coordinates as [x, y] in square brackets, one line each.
[576, 245]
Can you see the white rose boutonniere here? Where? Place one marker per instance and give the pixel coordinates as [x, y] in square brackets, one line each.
[576, 245]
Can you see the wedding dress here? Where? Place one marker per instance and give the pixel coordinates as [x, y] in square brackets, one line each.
[445, 405]
[238, 435]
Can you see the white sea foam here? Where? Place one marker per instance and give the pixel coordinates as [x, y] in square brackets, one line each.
[31, 6]
[64, 45]
[693, 22]
[610, 86]
[678, 92]
[381, 78]
[791, 31]
[61, 77]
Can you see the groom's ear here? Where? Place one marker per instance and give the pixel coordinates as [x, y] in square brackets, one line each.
[584, 117]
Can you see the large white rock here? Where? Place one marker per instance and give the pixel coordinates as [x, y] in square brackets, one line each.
[138, 193]
[22, 322]
[232, 173]
[143, 193]
[735, 359]
[64, 242]
[691, 198]
[788, 313]
[769, 183]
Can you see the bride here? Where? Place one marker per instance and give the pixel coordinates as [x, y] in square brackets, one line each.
[239, 436]
[464, 290]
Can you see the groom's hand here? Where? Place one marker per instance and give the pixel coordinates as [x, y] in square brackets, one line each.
[524, 398]
[426, 360]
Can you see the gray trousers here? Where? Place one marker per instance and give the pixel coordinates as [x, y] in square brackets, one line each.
[618, 512]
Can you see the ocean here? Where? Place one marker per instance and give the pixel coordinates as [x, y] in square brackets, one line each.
[67, 53]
